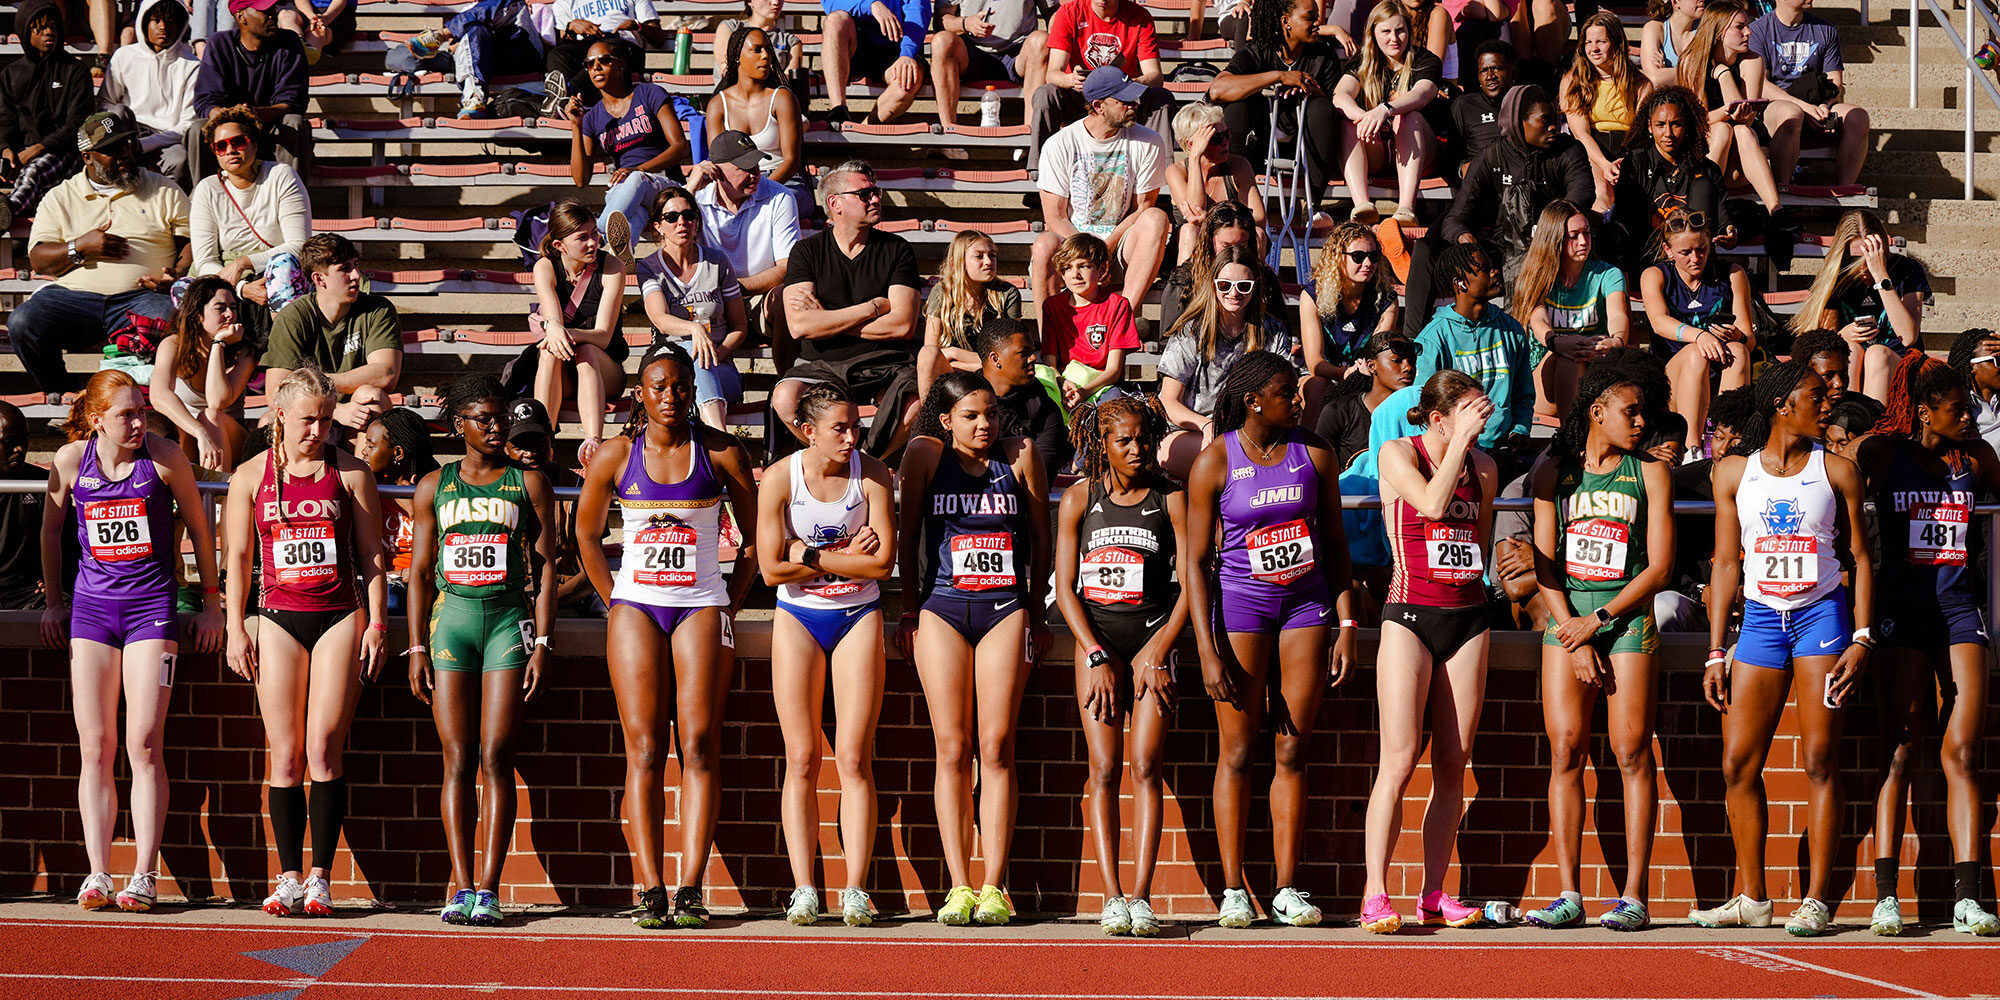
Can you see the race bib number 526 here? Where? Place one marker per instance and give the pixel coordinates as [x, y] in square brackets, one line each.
[118, 529]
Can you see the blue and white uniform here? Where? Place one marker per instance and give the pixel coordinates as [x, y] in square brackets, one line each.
[1794, 603]
[828, 606]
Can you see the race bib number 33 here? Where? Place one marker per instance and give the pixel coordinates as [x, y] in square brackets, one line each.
[118, 530]
[1280, 553]
[983, 562]
[475, 560]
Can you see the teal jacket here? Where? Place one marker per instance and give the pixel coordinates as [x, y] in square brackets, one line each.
[1494, 351]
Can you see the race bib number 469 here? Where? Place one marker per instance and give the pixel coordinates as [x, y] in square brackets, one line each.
[983, 562]
[118, 529]
[1280, 553]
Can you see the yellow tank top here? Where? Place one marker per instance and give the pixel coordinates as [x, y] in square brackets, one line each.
[1609, 111]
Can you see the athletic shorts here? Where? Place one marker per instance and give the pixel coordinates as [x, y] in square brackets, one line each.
[1632, 632]
[828, 626]
[873, 53]
[120, 621]
[305, 627]
[1125, 633]
[1772, 638]
[667, 619]
[984, 65]
[1930, 628]
[1260, 607]
[1442, 631]
[973, 618]
[480, 634]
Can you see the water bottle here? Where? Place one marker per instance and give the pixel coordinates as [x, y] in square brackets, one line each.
[683, 50]
[989, 108]
[1500, 913]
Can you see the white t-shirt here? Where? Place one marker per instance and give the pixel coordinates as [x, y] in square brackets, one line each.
[1102, 179]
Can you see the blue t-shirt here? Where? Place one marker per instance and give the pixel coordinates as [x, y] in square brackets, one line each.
[1790, 53]
[636, 137]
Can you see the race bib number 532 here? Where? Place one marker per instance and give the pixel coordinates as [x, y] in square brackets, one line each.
[1280, 553]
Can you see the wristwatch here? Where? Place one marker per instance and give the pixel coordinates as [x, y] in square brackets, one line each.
[1603, 617]
[1885, 285]
[76, 257]
[1097, 658]
[810, 556]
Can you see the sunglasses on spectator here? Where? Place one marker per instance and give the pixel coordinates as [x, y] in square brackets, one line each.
[865, 194]
[239, 141]
[604, 60]
[1360, 256]
[1243, 286]
[684, 215]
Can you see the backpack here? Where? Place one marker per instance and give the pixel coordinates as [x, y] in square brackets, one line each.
[530, 226]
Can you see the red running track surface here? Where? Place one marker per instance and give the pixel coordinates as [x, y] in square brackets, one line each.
[66, 960]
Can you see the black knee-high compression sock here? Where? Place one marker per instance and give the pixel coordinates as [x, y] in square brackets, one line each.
[288, 824]
[329, 810]
[1967, 879]
[1887, 872]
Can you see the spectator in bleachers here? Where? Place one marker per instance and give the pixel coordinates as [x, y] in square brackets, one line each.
[324, 27]
[986, 41]
[1600, 95]
[624, 27]
[752, 98]
[1827, 354]
[1084, 36]
[1349, 300]
[1385, 362]
[200, 372]
[1228, 224]
[1667, 170]
[1504, 192]
[112, 237]
[1873, 296]
[211, 18]
[1007, 353]
[1665, 37]
[786, 50]
[20, 517]
[1234, 313]
[351, 335]
[1475, 23]
[1541, 31]
[1432, 30]
[851, 303]
[1698, 311]
[1102, 176]
[691, 294]
[492, 38]
[531, 443]
[634, 129]
[1480, 340]
[1085, 327]
[1975, 355]
[44, 97]
[754, 222]
[1853, 420]
[969, 293]
[1475, 114]
[249, 220]
[1573, 306]
[1209, 175]
[397, 448]
[579, 295]
[1284, 64]
[1801, 54]
[262, 66]
[155, 79]
[1388, 97]
[1730, 79]
[873, 38]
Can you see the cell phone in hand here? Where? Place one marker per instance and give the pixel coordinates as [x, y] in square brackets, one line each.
[1826, 696]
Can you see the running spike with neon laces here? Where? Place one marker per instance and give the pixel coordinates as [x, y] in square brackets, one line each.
[1741, 911]
[1379, 916]
[1887, 921]
[1289, 906]
[803, 909]
[655, 909]
[96, 892]
[1625, 915]
[958, 906]
[139, 893]
[1560, 913]
[1235, 910]
[1144, 922]
[1968, 917]
[994, 908]
[318, 896]
[1811, 919]
[1117, 916]
[458, 912]
[485, 910]
[689, 910]
[855, 909]
[1439, 908]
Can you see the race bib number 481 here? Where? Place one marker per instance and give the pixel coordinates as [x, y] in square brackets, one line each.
[1937, 533]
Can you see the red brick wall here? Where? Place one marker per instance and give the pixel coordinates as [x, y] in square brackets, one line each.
[569, 847]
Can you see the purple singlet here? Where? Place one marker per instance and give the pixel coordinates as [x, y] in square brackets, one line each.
[125, 580]
[1270, 577]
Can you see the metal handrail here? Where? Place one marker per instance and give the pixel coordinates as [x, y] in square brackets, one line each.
[1972, 71]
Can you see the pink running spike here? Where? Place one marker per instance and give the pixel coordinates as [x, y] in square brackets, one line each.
[1439, 908]
[1379, 917]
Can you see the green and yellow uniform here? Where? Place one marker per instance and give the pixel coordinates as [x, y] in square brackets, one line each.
[1601, 546]
[481, 618]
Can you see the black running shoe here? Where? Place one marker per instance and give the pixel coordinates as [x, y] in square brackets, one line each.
[689, 910]
[654, 909]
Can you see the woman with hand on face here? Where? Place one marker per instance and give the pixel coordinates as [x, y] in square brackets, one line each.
[479, 632]
[1602, 507]
[1874, 298]
[1118, 556]
[304, 521]
[118, 487]
[1208, 175]
[201, 370]
[579, 295]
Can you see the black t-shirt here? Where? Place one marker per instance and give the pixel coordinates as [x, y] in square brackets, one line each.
[1343, 425]
[1033, 415]
[1319, 60]
[21, 539]
[1476, 119]
[1862, 298]
[839, 281]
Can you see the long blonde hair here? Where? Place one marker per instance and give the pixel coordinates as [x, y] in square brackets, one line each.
[1330, 283]
[1579, 86]
[305, 382]
[1543, 263]
[1839, 270]
[1699, 59]
[1204, 309]
[956, 300]
[1373, 72]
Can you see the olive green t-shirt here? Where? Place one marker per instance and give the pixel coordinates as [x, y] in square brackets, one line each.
[301, 333]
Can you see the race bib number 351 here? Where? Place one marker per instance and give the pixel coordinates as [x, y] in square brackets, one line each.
[1111, 575]
[666, 556]
[1280, 553]
[1937, 534]
[118, 529]
[1596, 549]
[474, 560]
[983, 562]
[302, 553]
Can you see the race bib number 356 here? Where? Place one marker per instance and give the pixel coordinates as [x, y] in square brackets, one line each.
[474, 560]
[1937, 534]
[118, 529]
[1280, 553]
[1597, 548]
[983, 562]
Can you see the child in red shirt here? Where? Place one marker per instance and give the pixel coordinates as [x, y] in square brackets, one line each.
[1087, 328]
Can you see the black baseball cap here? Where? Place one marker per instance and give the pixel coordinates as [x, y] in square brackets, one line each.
[528, 416]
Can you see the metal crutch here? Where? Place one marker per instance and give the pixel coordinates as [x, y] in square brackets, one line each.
[1287, 174]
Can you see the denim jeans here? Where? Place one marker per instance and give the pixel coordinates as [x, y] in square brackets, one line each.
[55, 319]
[633, 196]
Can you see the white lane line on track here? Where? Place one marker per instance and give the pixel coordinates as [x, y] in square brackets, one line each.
[334, 929]
[1801, 963]
[322, 984]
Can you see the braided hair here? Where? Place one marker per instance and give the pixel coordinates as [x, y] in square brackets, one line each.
[1766, 394]
[1963, 347]
[1457, 261]
[945, 394]
[408, 432]
[818, 398]
[306, 381]
[1267, 21]
[1249, 373]
[471, 389]
[1920, 380]
[1598, 380]
[1088, 424]
[1732, 409]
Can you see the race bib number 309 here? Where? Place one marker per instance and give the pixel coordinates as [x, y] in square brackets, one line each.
[302, 553]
